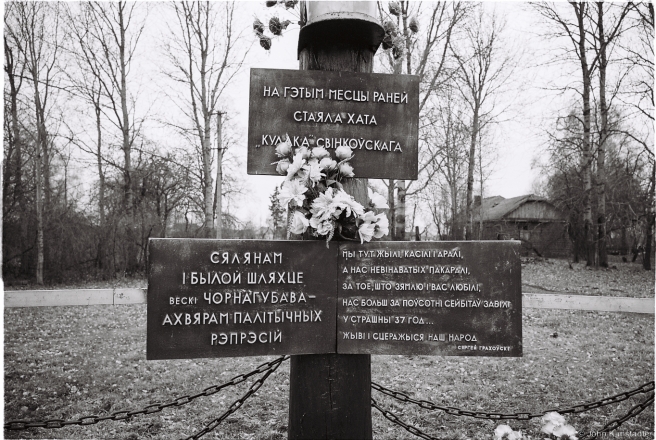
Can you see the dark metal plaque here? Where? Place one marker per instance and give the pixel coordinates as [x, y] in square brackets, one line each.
[218, 298]
[377, 115]
[430, 298]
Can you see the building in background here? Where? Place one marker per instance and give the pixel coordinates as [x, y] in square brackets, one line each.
[541, 227]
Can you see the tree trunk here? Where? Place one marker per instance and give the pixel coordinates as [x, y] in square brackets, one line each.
[470, 174]
[603, 134]
[579, 9]
[218, 198]
[340, 384]
[391, 213]
[651, 217]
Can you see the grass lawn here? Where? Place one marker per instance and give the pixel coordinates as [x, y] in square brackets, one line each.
[65, 362]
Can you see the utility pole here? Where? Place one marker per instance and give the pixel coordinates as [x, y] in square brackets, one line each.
[330, 394]
[218, 206]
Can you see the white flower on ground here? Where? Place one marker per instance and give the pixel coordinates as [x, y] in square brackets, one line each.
[298, 223]
[292, 190]
[284, 147]
[505, 432]
[346, 170]
[551, 421]
[567, 430]
[554, 418]
[378, 200]
[343, 152]
[320, 153]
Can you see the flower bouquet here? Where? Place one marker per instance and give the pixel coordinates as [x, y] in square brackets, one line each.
[316, 199]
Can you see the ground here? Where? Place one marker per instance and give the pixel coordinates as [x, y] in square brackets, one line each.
[66, 362]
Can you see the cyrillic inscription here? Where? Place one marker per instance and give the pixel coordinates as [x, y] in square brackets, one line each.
[448, 298]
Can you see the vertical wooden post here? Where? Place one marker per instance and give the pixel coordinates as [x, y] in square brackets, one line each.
[330, 394]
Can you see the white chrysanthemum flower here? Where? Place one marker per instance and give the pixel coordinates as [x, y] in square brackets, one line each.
[323, 227]
[284, 147]
[345, 202]
[295, 166]
[378, 200]
[313, 172]
[298, 223]
[382, 226]
[322, 207]
[282, 166]
[346, 170]
[327, 164]
[292, 190]
[366, 231]
[343, 152]
[320, 153]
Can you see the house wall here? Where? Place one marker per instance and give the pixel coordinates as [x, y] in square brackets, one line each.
[549, 239]
[535, 210]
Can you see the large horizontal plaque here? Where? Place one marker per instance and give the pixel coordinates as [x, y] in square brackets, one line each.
[376, 115]
[217, 298]
[430, 298]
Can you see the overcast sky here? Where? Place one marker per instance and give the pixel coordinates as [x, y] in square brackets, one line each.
[518, 139]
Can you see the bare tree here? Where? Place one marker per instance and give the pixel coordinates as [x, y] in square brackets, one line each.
[576, 31]
[34, 29]
[603, 45]
[485, 67]
[424, 53]
[205, 53]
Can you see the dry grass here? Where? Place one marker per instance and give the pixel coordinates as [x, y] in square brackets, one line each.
[556, 276]
[72, 361]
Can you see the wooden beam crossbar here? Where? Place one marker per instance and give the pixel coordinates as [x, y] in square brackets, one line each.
[90, 297]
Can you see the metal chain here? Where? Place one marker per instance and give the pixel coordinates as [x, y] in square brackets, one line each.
[17, 425]
[633, 412]
[403, 397]
[236, 404]
[394, 419]
[611, 426]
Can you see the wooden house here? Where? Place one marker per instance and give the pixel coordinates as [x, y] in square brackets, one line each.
[541, 227]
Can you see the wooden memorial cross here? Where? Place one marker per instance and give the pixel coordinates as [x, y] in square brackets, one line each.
[332, 307]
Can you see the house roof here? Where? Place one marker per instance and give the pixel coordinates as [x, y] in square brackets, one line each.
[497, 207]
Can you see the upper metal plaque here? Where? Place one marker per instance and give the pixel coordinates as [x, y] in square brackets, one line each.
[376, 115]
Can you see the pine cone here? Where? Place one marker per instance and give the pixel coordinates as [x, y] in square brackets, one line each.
[390, 28]
[398, 47]
[388, 43]
[414, 24]
[290, 4]
[271, 3]
[394, 8]
[258, 26]
[275, 26]
[265, 42]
